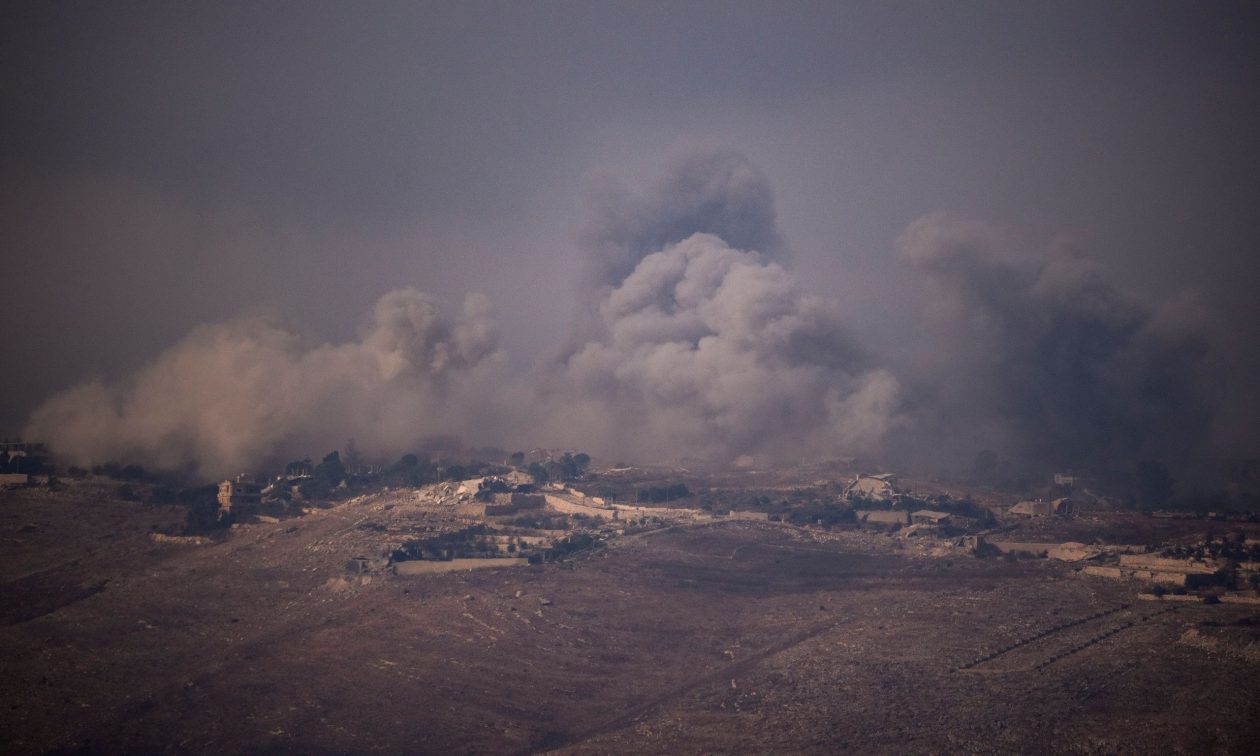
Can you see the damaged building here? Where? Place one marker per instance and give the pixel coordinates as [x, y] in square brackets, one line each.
[239, 493]
[881, 487]
[500, 504]
[1039, 508]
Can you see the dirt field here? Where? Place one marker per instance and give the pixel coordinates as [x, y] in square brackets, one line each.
[739, 636]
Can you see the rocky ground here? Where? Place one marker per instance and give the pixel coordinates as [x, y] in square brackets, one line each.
[736, 636]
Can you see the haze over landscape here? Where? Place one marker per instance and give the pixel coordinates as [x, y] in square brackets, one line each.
[590, 377]
[926, 230]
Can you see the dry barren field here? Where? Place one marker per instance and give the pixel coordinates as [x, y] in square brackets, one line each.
[740, 636]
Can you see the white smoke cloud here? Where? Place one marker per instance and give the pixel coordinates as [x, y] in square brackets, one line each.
[245, 393]
[706, 350]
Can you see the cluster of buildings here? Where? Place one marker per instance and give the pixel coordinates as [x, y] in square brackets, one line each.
[903, 517]
[1229, 581]
[891, 508]
[244, 493]
[1152, 568]
[904, 508]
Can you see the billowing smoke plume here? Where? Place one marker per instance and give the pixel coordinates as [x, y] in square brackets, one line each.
[719, 193]
[699, 343]
[711, 351]
[247, 393]
[696, 341]
[1044, 359]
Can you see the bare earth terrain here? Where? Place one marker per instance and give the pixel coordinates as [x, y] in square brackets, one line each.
[707, 638]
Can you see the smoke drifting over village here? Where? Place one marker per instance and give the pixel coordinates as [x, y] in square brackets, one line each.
[699, 349]
[797, 232]
[579, 376]
[702, 343]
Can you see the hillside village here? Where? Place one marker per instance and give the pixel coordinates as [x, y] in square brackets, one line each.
[544, 505]
[572, 602]
[515, 518]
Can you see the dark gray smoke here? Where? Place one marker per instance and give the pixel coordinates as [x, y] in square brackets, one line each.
[1045, 359]
[719, 193]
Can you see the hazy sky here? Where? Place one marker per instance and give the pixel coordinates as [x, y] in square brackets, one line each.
[169, 164]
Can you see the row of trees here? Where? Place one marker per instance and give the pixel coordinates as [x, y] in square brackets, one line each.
[411, 470]
[567, 467]
[321, 480]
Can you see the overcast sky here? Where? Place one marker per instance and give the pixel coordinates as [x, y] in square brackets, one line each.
[169, 164]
